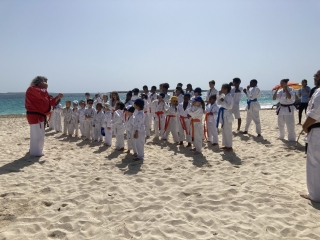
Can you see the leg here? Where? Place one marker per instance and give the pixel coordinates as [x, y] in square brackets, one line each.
[147, 125]
[197, 142]
[181, 132]
[173, 129]
[290, 127]
[256, 120]
[227, 134]
[210, 130]
[239, 124]
[281, 123]
[215, 138]
[140, 141]
[249, 120]
[37, 139]
[301, 107]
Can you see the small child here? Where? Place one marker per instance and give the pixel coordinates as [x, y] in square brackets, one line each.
[152, 96]
[171, 120]
[89, 113]
[139, 137]
[67, 114]
[82, 118]
[96, 100]
[236, 93]
[129, 126]
[57, 116]
[225, 116]
[196, 93]
[97, 123]
[211, 130]
[118, 126]
[196, 129]
[74, 125]
[184, 121]
[159, 116]
[107, 125]
[114, 100]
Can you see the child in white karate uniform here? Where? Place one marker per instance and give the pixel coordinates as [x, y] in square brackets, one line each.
[97, 123]
[129, 127]
[184, 120]
[211, 130]
[159, 117]
[171, 120]
[285, 112]
[236, 93]
[118, 126]
[57, 117]
[144, 97]
[179, 94]
[67, 114]
[253, 106]
[89, 113]
[196, 129]
[107, 125]
[225, 117]
[82, 118]
[74, 125]
[139, 137]
[152, 96]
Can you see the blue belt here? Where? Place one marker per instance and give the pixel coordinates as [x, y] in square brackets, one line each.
[250, 101]
[221, 111]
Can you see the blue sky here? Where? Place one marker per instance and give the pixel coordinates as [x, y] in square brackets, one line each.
[101, 46]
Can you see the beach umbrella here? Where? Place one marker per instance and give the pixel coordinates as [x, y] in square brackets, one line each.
[293, 85]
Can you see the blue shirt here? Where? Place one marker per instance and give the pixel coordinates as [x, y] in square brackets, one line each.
[304, 94]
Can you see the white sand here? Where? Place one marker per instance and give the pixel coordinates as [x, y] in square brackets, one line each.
[82, 190]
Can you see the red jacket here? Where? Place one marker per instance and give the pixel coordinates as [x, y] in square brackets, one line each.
[38, 100]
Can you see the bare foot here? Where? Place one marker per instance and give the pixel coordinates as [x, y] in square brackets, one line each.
[135, 154]
[189, 145]
[121, 149]
[197, 153]
[164, 139]
[244, 132]
[259, 135]
[128, 151]
[306, 196]
[193, 149]
[208, 141]
[70, 135]
[238, 129]
[223, 148]
[137, 159]
[229, 149]
[180, 143]
[214, 144]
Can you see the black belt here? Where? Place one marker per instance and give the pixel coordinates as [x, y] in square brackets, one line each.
[315, 125]
[284, 105]
[40, 114]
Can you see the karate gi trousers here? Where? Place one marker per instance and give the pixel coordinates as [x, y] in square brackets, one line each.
[253, 115]
[172, 127]
[97, 132]
[89, 128]
[289, 121]
[138, 144]
[182, 133]
[108, 136]
[37, 139]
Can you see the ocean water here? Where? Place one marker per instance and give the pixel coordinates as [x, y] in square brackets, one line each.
[13, 103]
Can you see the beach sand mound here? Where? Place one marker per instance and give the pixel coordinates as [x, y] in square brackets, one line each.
[81, 190]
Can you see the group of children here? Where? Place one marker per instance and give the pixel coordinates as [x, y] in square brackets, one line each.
[185, 115]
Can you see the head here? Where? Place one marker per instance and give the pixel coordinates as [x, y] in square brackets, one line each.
[87, 95]
[212, 99]
[253, 83]
[82, 104]
[212, 83]
[153, 89]
[144, 96]
[90, 102]
[197, 91]
[197, 101]
[174, 101]
[107, 107]
[189, 87]
[316, 78]
[186, 98]
[99, 106]
[178, 90]
[135, 91]
[179, 85]
[129, 95]
[120, 105]
[139, 104]
[39, 81]
[165, 87]
[68, 103]
[129, 111]
[236, 82]
[114, 96]
[161, 96]
[75, 104]
[284, 82]
[97, 95]
[225, 88]
[105, 97]
[304, 82]
[145, 89]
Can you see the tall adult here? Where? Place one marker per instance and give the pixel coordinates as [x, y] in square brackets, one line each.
[38, 105]
[285, 111]
[303, 93]
[312, 127]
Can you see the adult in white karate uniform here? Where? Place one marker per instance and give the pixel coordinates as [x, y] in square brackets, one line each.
[253, 106]
[196, 128]
[184, 120]
[285, 111]
[225, 116]
[107, 125]
[312, 127]
[212, 111]
[139, 137]
[159, 117]
[236, 93]
[38, 105]
[74, 126]
[97, 123]
[211, 91]
[171, 120]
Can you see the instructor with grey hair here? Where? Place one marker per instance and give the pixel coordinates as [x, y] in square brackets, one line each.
[38, 105]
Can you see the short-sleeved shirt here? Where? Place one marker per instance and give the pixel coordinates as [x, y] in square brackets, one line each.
[304, 94]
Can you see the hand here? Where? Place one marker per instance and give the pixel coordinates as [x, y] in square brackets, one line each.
[135, 135]
[245, 91]
[305, 129]
[222, 99]
[60, 95]
[188, 116]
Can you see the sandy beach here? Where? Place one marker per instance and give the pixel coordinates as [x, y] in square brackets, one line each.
[82, 190]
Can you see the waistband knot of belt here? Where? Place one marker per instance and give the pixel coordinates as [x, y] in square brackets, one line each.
[284, 105]
[250, 101]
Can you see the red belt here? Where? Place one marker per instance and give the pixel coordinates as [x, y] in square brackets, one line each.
[193, 120]
[168, 117]
[159, 116]
[183, 123]
[146, 111]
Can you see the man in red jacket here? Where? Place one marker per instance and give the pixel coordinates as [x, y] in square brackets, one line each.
[38, 105]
